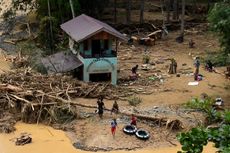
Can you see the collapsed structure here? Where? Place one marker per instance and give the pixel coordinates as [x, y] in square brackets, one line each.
[91, 43]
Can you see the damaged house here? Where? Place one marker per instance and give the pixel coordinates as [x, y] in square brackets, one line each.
[94, 50]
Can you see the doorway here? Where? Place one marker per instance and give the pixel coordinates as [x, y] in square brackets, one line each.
[100, 77]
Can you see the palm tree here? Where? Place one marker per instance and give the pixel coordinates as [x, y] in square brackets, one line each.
[142, 11]
[72, 8]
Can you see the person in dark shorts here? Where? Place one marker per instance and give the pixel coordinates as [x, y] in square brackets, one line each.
[197, 66]
[134, 69]
[101, 106]
[115, 108]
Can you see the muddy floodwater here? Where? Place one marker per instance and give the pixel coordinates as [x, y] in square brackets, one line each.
[49, 140]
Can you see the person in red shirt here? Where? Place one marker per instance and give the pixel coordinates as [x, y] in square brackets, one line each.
[133, 120]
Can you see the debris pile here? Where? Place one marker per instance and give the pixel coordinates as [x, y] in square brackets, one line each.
[23, 139]
[39, 97]
[6, 123]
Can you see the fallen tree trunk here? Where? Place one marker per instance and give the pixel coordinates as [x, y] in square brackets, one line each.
[172, 124]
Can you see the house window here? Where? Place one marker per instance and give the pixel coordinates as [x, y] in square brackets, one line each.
[85, 44]
[106, 44]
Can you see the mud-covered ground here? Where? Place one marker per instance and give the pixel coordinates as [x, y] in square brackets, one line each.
[164, 101]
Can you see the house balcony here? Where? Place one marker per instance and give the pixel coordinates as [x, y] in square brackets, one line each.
[101, 54]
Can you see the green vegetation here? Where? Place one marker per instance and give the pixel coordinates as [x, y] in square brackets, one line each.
[52, 13]
[194, 140]
[48, 33]
[8, 15]
[146, 59]
[134, 101]
[206, 106]
[203, 105]
[219, 18]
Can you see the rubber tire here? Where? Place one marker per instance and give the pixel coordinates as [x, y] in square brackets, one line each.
[127, 129]
[144, 136]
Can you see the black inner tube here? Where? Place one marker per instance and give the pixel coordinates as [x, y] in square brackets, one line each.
[129, 127]
[143, 133]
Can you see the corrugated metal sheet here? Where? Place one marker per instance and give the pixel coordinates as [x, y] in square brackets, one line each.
[83, 27]
[61, 62]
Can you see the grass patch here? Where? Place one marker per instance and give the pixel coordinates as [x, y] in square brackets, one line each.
[134, 101]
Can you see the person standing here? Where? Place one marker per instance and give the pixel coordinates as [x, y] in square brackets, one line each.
[113, 127]
[115, 108]
[101, 106]
[197, 66]
[133, 120]
[134, 69]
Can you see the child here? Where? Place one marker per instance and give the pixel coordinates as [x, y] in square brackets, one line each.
[133, 120]
[113, 126]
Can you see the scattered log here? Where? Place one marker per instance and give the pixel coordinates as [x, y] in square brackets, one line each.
[156, 34]
[9, 41]
[10, 88]
[90, 90]
[172, 124]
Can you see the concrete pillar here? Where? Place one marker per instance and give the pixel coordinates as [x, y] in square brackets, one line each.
[85, 75]
[114, 77]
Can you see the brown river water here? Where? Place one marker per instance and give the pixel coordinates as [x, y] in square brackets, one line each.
[48, 140]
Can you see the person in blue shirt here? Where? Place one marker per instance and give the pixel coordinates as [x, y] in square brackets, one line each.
[113, 126]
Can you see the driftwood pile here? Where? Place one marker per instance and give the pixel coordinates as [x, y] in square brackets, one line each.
[7, 122]
[35, 97]
[143, 34]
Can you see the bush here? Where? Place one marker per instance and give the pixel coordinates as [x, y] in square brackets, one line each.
[9, 14]
[203, 105]
[194, 140]
[218, 59]
[48, 33]
[39, 67]
[219, 22]
[146, 59]
[134, 101]
[212, 115]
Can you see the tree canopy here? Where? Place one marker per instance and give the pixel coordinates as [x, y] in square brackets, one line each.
[219, 18]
